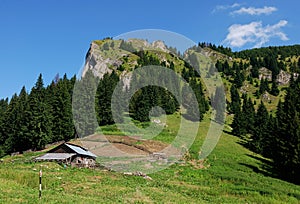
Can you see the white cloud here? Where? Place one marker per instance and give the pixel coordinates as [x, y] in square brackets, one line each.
[225, 7]
[254, 33]
[255, 11]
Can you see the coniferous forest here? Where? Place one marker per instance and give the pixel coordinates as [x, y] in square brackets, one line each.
[43, 115]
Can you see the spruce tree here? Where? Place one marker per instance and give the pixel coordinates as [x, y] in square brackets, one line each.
[255, 72]
[9, 125]
[235, 104]
[3, 108]
[21, 140]
[104, 94]
[83, 105]
[218, 103]
[238, 78]
[140, 105]
[39, 117]
[261, 131]
[274, 89]
[63, 127]
[248, 112]
[239, 124]
[287, 155]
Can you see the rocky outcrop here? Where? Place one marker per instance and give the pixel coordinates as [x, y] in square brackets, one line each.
[264, 73]
[283, 77]
[98, 63]
[100, 59]
[160, 45]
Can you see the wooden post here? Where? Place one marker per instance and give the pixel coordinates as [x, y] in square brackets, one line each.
[40, 183]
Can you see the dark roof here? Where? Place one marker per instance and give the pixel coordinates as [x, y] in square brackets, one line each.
[55, 156]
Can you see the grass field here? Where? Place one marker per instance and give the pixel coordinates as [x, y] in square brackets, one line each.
[233, 174]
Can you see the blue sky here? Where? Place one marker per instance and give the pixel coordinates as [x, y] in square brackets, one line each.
[53, 36]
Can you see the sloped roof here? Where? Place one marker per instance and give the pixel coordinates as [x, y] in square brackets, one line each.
[80, 150]
[55, 156]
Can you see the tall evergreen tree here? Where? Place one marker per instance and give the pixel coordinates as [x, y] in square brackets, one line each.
[21, 140]
[274, 89]
[248, 112]
[83, 105]
[261, 131]
[140, 105]
[238, 78]
[3, 108]
[39, 117]
[63, 128]
[218, 103]
[287, 155]
[104, 94]
[235, 104]
[255, 71]
[238, 124]
[9, 127]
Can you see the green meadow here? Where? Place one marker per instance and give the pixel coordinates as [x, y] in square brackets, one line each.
[230, 174]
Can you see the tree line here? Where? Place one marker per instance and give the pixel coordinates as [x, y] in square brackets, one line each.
[70, 107]
[32, 120]
[275, 136]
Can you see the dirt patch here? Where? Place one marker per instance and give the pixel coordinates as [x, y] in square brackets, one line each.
[148, 146]
[129, 149]
[113, 145]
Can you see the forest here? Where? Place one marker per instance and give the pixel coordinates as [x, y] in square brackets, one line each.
[31, 120]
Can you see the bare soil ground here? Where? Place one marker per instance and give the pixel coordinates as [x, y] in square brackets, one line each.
[114, 145]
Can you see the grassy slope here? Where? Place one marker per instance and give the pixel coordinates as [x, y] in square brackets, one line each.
[234, 176]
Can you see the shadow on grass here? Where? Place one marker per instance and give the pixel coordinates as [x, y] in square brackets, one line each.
[228, 132]
[265, 168]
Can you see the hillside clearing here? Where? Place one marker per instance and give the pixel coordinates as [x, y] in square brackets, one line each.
[234, 175]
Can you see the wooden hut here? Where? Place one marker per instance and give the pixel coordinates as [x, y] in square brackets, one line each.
[70, 154]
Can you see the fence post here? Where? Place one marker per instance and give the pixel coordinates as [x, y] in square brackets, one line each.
[40, 186]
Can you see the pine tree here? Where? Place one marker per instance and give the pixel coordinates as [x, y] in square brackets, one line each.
[218, 103]
[9, 125]
[61, 103]
[255, 72]
[269, 141]
[39, 117]
[274, 89]
[287, 155]
[238, 124]
[219, 66]
[264, 86]
[261, 131]
[3, 108]
[21, 140]
[235, 104]
[104, 94]
[83, 105]
[202, 103]
[238, 78]
[248, 112]
[140, 105]
[169, 103]
[227, 69]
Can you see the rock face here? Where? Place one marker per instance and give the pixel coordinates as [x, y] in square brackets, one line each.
[98, 63]
[106, 55]
[160, 45]
[264, 73]
[283, 77]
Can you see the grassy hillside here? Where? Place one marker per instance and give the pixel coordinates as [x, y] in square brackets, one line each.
[231, 174]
